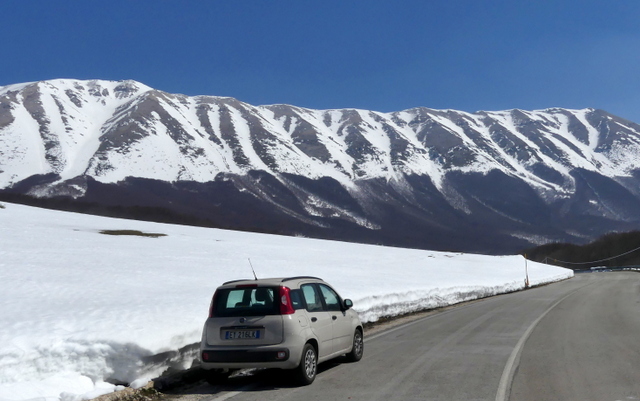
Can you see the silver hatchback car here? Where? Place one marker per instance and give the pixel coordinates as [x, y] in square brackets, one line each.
[288, 323]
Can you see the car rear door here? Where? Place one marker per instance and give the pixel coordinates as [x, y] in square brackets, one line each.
[321, 320]
[342, 324]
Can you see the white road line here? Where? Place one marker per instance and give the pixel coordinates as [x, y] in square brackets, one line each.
[514, 359]
[224, 396]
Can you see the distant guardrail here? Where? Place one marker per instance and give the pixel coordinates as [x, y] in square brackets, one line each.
[600, 269]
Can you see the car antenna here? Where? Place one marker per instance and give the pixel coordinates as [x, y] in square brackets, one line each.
[253, 271]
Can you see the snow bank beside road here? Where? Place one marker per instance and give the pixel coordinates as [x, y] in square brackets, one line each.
[80, 310]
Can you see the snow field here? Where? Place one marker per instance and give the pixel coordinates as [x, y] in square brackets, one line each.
[81, 310]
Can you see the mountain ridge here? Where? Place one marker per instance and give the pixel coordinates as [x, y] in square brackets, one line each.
[321, 167]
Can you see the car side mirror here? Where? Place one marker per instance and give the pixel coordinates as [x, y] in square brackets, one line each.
[348, 304]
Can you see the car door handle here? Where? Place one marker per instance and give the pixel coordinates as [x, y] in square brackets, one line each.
[314, 319]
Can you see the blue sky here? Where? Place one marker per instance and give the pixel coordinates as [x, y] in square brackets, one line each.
[380, 55]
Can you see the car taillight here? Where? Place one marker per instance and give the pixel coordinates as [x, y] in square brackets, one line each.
[213, 304]
[286, 307]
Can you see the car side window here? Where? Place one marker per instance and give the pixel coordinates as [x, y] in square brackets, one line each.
[296, 299]
[311, 297]
[331, 298]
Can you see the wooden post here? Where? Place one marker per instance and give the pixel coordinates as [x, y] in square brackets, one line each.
[526, 272]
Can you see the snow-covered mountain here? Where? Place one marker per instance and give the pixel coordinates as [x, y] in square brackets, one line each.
[444, 179]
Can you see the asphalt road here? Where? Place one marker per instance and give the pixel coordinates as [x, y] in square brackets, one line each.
[588, 346]
[574, 340]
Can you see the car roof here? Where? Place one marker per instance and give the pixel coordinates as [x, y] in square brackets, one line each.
[276, 281]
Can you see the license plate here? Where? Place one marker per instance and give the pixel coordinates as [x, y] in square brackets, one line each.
[242, 335]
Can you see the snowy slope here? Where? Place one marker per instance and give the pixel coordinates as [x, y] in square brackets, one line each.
[79, 308]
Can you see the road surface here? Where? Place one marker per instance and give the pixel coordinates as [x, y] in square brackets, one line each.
[574, 340]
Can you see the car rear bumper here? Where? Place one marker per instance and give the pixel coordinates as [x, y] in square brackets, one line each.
[279, 355]
[258, 357]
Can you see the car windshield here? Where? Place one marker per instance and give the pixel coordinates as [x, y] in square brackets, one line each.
[247, 301]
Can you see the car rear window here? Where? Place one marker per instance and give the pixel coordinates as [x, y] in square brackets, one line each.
[247, 301]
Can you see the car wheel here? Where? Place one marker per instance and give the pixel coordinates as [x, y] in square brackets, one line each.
[308, 365]
[217, 376]
[358, 347]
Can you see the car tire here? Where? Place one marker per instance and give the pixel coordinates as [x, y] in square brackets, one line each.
[308, 368]
[357, 349]
[217, 376]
